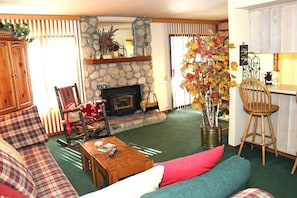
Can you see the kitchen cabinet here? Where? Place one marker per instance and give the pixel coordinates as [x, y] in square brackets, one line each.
[15, 83]
[273, 29]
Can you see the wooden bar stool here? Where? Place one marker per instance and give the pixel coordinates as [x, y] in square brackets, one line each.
[256, 99]
[295, 164]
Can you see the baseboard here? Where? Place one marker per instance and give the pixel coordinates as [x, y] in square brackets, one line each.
[267, 149]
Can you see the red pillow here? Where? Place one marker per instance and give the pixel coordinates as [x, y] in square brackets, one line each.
[184, 168]
[7, 191]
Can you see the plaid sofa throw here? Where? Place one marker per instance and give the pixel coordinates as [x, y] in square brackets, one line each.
[16, 175]
[23, 128]
[49, 178]
[252, 193]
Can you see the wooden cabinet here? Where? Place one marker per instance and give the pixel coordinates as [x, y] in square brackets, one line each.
[273, 29]
[265, 30]
[15, 83]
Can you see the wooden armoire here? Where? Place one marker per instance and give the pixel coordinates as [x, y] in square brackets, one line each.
[15, 83]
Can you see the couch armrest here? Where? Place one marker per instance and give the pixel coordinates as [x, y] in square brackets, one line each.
[22, 128]
[227, 178]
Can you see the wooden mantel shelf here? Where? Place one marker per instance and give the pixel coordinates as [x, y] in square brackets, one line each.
[117, 60]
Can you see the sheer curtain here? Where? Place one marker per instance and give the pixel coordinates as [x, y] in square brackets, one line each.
[54, 60]
[180, 34]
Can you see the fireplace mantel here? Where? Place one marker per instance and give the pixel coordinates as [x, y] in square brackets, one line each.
[117, 60]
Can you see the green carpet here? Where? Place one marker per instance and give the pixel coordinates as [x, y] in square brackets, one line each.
[179, 136]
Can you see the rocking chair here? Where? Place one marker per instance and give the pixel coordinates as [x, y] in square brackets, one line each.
[80, 120]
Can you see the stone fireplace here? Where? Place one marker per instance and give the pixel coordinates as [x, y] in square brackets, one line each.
[117, 73]
[113, 76]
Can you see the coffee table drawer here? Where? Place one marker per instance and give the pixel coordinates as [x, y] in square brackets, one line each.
[88, 149]
[126, 162]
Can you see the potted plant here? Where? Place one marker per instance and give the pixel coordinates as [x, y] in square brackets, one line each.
[106, 42]
[207, 78]
[19, 31]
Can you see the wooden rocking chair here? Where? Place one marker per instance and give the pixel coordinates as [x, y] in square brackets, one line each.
[80, 120]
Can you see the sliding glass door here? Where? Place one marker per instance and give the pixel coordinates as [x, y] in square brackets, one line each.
[180, 98]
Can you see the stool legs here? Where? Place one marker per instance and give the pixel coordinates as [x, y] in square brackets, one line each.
[246, 130]
[294, 166]
[263, 136]
[263, 139]
[272, 135]
[254, 130]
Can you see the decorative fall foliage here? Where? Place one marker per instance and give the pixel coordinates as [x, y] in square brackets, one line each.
[106, 39]
[206, 75]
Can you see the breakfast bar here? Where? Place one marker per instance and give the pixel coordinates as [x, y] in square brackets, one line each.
[283, 89]
[284, 120]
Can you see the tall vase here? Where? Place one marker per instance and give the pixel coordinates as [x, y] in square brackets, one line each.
[211, 136]
[104, 52]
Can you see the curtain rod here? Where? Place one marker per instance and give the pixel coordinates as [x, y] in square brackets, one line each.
[32, 16]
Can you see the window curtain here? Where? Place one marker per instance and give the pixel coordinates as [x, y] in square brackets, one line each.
[179, 35]
[54, 60]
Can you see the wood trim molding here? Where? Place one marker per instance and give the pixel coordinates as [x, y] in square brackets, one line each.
[188, 21]
[275, 62]
[118, 60]
[31, 16]
[267, 149]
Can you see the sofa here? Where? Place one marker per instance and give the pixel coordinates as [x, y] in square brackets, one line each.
[199, 175]
[224, 180]
[27, 167]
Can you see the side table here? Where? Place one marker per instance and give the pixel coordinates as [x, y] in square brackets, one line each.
[88, 150]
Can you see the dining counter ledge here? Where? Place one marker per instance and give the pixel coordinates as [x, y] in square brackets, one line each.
[283, 89]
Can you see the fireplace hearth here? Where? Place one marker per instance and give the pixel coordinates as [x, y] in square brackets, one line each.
[122, 100]
[124, 109]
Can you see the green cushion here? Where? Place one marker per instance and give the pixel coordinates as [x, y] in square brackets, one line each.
[225, 179]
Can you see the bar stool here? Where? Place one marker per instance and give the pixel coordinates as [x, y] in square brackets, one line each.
[256, 99]
[295, 164]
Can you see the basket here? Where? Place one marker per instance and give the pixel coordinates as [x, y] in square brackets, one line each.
[5, 34]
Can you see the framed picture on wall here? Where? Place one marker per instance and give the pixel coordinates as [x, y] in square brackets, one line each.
[243, 55]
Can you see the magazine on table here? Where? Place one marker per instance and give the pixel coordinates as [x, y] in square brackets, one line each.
[106, 147]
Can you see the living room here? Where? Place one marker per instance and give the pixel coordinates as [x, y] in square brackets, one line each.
[159, 53]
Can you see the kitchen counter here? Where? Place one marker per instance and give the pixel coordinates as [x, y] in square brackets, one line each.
[283, 89]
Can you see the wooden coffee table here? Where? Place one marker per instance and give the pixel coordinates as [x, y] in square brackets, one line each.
[127, 161]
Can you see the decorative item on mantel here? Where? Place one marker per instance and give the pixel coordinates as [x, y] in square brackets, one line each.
[207, 78]
[106, 42]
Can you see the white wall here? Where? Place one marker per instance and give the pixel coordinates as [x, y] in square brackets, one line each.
[288, 68]
[238, 18]
[161, 65]
[238, 33]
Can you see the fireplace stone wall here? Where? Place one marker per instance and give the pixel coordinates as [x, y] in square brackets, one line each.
[121, 73]
[118, 75]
